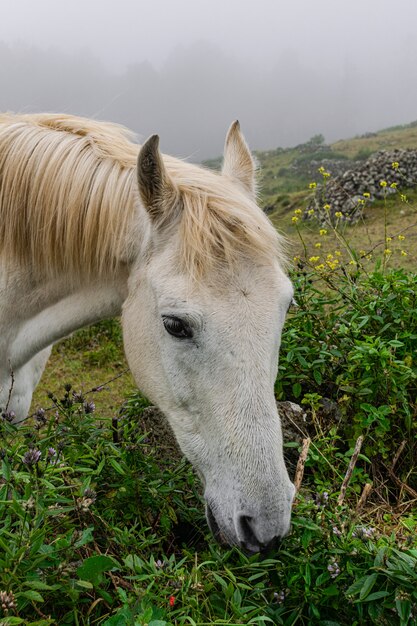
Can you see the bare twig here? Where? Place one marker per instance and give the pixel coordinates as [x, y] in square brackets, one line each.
[350, 469]
[398, 454]
[10, 388]
[364, 496]
[103, 385]
[412, 492]
[299, 472]
[408, 504]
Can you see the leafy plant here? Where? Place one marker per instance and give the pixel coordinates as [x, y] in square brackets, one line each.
[90, 517]
[99, 526]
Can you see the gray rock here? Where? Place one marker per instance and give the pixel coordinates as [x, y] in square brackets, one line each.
[344, 191]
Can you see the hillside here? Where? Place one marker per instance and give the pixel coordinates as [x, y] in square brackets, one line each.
[285, 175]
[287, 171]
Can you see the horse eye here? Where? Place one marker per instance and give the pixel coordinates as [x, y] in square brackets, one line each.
[177, 327]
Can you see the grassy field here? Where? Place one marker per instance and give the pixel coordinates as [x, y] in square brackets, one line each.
[388, 139]
[99, 525]
[89, 359]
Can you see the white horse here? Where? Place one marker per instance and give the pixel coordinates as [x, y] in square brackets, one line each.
[90, 230]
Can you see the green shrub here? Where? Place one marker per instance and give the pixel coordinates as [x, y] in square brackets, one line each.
[97, 526]
[355, 342]
[89, 517]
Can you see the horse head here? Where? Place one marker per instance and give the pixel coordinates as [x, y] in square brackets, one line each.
[202, 324]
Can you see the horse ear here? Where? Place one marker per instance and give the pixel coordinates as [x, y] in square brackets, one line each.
[155, 187]
[238, 162]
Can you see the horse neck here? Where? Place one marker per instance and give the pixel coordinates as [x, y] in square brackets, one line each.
[36, 314]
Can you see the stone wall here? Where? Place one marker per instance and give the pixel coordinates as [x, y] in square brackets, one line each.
[344, 192]
[309, 169]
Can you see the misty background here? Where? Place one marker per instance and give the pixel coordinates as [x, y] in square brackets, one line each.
[186, 68]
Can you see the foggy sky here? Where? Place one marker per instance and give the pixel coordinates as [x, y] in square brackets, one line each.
[187, 68]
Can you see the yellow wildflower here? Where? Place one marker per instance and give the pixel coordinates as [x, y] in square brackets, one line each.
[313, 185]
[393, 185]
[395, 165]
[330, 255]
[403, 197]
[403, 253]
[383, 183]
[333, 264]
[317, 245]
[320, 267]
[294, 219]
[366, 195]
[311, 212]
[323, 231]
[387, 251]
[338, 253]
[321, 170]
[352, 262]
[326, 207]
[296, 259]
[388, 239]
[338, 214]
[297, 212]
[314, 259]
[401, 237]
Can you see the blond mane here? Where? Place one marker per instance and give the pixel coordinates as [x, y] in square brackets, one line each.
[68, 197]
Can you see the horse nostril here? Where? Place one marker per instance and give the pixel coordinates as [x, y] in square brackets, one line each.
[271, 545]
[248, 539]
[247, 536]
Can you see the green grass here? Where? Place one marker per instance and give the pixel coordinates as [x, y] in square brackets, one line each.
[107, 528]
[89, 359]
[368, 234]
[388, 139]
[100, 528]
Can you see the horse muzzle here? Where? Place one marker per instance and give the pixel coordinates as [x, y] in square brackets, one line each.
[249, 532]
